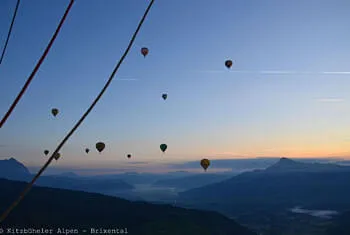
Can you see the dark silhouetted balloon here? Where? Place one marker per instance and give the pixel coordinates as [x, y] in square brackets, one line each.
[205, 163]
[46, 152]
[129, 156]
[228, 63]
[54, 112]
[164, 96]
[57, 156]
[87, 150]
[100, 146]
[163, 147]
[144, 51]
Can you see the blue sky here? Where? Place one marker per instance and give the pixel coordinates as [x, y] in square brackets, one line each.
[284, 95]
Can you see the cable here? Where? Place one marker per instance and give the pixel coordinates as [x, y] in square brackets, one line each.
[29, 186]
[37, 66]
[10, 30]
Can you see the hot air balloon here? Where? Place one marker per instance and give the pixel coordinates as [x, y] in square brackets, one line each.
[144, 51]
[129, 156]
[87, 150]
[100, 146]
[54, 112]
[228, 63]
[205, 163]
[57, 156]
[46, 152]
[164, 96]
[163, 147]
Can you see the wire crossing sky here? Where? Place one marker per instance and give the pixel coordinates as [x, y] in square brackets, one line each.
[286, 94]
[29, 186]
[9, 33]
[30, 78]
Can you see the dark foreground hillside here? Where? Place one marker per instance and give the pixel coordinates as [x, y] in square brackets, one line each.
[341, 226]
[263, 200]
[285, 185]
[56, 208]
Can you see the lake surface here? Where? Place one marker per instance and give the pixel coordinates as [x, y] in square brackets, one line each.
[326, 214]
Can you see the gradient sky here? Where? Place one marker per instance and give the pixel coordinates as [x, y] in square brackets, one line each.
[287, 93]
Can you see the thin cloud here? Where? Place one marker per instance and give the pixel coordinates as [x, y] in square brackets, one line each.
[276, 72]
[231, 154]
[329, 100]
[304, 72]
[139, 163]
[338, 73]
[127, 79]
[225, 71]
[210, 71]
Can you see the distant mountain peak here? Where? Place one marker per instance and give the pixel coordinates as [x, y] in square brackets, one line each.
[12, 159]
[12, 169]
[284, 159]
[288, 161]
[288, 165]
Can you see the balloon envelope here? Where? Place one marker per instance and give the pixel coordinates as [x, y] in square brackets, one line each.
[163, 147]
[205, 163]
[54, 112]
[164, 96]
[46, 152]
[87, 150]
[228, 63]
[144, 51]
[100, 146]
[129, 156]
[57, 156]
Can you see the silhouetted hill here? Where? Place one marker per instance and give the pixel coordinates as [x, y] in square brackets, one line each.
[12, 169]
[287, 165]
[83, 184]
[138, 178]
[341, 225]
[193, 181]
[274, 187]
[69, 174]
[55, 208]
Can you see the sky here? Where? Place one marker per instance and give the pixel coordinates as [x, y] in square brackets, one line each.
[287, 93]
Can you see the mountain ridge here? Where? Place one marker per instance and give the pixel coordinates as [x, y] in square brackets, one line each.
[297, 186]
[12, 169]
[83, 210]
[288, 165]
